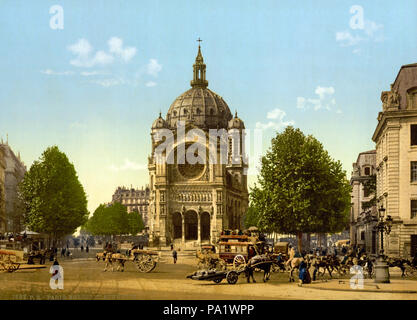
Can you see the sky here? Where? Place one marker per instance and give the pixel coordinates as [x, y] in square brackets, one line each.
[92, 76]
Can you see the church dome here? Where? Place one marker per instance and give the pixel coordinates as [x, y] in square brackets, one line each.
[236, 123]
[199, 105]
[159, 123]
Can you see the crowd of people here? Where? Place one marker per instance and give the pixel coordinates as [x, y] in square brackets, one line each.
[13, 237]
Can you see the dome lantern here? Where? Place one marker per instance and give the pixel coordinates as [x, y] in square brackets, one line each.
[199, 71]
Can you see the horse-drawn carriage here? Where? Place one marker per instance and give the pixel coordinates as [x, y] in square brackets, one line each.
[13, 260]
[145, 260]
[237, 253]
[10, 260]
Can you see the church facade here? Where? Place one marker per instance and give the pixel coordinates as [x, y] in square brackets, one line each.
[191, 202]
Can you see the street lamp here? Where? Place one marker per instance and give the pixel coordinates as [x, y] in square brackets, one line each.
[383, 226]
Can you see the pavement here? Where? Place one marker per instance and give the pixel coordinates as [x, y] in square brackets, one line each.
[368, 285]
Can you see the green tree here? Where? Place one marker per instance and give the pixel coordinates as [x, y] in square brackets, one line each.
[369, 186]
[136, 224]
[54, 200]
[109, 220]
[300, 188]
[251, 218]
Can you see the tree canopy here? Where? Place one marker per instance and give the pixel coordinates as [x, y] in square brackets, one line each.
[300, 188]
[369, 186]
[54, 199]
[114, 220]
[251, 218]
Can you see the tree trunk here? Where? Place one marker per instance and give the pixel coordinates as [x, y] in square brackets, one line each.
[300, 241]
[308, 242]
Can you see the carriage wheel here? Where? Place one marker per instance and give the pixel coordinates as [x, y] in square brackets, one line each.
[145, 263]
[232, 277]
[218, 280]
[239, 262]
[12, 267]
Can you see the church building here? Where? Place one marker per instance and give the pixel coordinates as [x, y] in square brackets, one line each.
[191, 203]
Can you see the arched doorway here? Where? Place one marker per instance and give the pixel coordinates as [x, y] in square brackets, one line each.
[191, 225]
[177, 225]
[205, 226]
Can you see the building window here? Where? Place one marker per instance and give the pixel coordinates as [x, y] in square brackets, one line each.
[366, 191]
[413, 209]
[362, 235]
[413, 129]
[413, 171]
[367, 171]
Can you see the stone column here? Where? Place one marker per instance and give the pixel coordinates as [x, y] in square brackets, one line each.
[183, 229]
[199, 228]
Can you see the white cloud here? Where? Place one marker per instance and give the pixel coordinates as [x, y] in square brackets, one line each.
[109, 82]
[153, 67]
[83, 51]
[371, 28]
[278, 115]
[150, 84]
[128, 165]
[370, 31]
[81, 48]
[56, 73]
[116, 47]
[92, 73]
[325, 99]
[346, 39]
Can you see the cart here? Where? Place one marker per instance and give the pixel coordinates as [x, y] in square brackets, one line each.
[216, 276]
[145, 260]
[10, 260]
[236, 251]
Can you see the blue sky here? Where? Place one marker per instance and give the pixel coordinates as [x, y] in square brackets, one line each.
[94, 87]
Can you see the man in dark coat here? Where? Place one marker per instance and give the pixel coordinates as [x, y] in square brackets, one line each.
[174, 255]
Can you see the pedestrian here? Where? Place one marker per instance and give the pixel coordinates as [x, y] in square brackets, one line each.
[174, 255]
[82, 248]
[87, 249]
[304, 275]
[63, 252]
[172, 247]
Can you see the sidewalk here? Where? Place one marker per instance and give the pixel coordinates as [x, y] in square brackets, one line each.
[396, 286]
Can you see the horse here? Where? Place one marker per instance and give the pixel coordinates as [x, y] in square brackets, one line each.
[263, 262]
[101, 256]
[323, 262]
[399, 263]
[120, 259]
[293, 264]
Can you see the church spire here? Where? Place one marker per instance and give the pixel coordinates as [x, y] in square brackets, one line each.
[199, 70]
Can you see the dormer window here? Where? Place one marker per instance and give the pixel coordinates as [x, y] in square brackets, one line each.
[367, 171]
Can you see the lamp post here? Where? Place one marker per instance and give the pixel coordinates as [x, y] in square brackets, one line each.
[381, 267]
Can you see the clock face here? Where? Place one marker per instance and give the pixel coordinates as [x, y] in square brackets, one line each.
[191, 171]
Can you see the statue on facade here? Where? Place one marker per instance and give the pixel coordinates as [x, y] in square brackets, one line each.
[390, 99]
